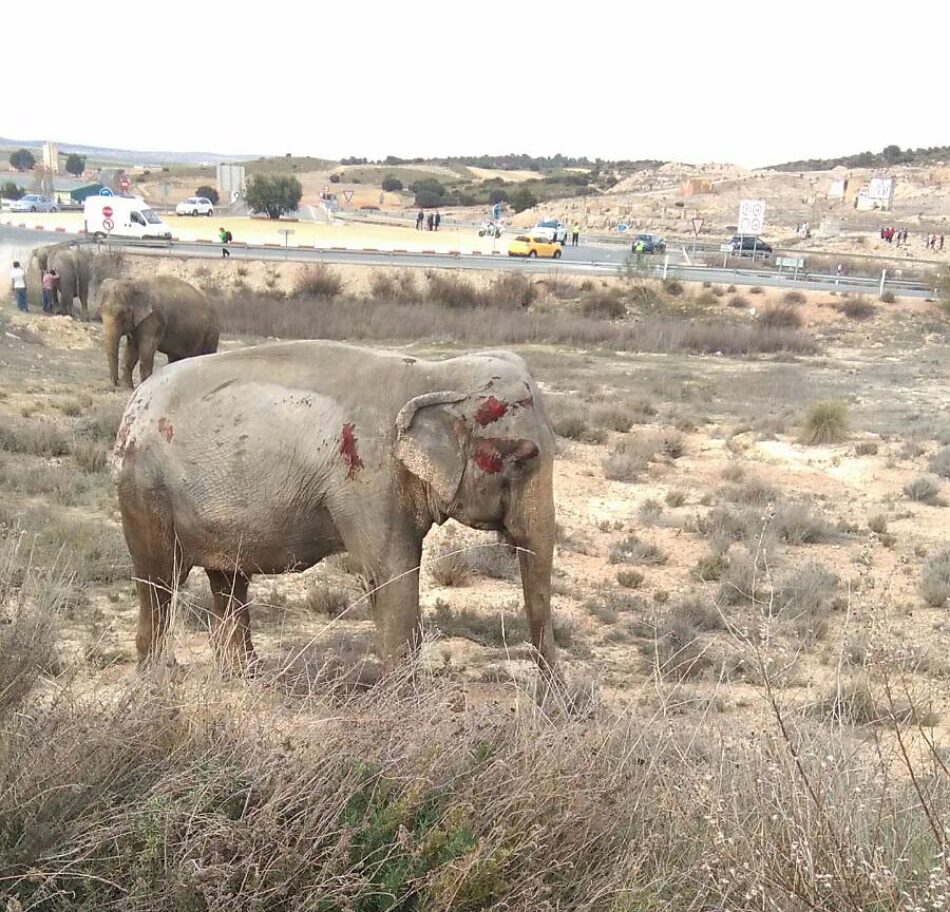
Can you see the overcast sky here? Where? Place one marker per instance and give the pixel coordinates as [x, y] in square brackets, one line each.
[752, 82]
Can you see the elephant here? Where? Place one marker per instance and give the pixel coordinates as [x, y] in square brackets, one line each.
[158, 313]
[268, 459]
[74, 267]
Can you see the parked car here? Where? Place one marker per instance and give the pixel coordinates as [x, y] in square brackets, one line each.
[747, 244]
[552, 229]
[33, 202]
[652, 243]
[195, 205]
[535, 246]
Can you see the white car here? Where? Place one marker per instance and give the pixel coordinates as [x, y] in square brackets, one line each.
[552, 229]
[195, 205]
[33, 202]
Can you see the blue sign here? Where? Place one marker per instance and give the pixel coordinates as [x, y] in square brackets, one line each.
[496, 211]
[105, 191]
[622, 227]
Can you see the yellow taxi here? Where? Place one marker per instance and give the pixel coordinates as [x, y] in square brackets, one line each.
[525, 246]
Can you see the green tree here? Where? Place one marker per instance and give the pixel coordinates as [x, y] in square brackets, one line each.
[522, 198]
[10, 191]
[391, 184]
[429, 192]
[273, 194]
[22, 160]
[498, 195]
[75, 164]
[208, 193]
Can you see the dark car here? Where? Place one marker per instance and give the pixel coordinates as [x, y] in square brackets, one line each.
[747, 244]
[652, 243]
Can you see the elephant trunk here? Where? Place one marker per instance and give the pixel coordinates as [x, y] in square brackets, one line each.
[531, 527]
[112, 336]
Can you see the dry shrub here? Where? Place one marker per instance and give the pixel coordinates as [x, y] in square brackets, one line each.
[329, 600]
[398, 286]
[571, 421]
[925, 490]
[613, 417]
[630, 579]
[781, 317]
[646, 296]
[706, 299]
[631, 550]
[450, 566]
[673, 287]
[739, 302]
[857, 308]
[678, 650]
[745, 580]
[719, 291]
[603, 304]
[103, 421]
[90, 455]
[857, 700]
[756, 290]
[318, 281]
[888, 297]
[793, 297]
[865, 448]
[877, 523]
[826, 422]
[35, 438]
[630, 456]
[675, 498]
[940, 462]
[803, 597]
[935, 580]
[510, 289]
[495, 560]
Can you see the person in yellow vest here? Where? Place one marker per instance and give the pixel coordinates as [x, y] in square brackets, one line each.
[575, 234]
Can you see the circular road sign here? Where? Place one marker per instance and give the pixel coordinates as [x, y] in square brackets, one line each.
[622, 227]
[105, 191]
[107, 211]
[108, 224]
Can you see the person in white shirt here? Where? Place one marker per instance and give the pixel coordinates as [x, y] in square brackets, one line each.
[18, 283]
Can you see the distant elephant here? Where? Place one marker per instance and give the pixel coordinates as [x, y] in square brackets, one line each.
[268, 459]
[159, 313]
[73, 265]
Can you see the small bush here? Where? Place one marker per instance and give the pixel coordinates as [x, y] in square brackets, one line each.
[572, 423]
[738, 301]
[650, 511]
[744, 580]
[756, 290]
[633, 551]
[781, 318]
[803, 597]
[318, 281]
[496, 560]
[508, 290]
[646, 296]
[630, 579]
[935, 580]
[35, 438]
[674, 444]
[718, 291]
[940, 462]
[878, 523]
[706, 299]
[924, 490]
[328, 600]
[826, 422]
[710, 567]
[865, 448]
[613, 417]
[675, 498]
[630, 456]
[603, 304]
[90, 455]
[797, 524]
[793, 297]
[451, 566]
[400, 287]
[673, 287]
[888, 297]
[451, 290]
[857, 308]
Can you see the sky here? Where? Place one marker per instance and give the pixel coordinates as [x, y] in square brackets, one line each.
[753, 83]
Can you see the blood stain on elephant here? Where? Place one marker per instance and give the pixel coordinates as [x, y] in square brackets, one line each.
[349, 452]
[166, 429]
[487, 458]
[490, 411]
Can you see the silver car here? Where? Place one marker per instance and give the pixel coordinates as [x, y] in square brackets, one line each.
[33, 202]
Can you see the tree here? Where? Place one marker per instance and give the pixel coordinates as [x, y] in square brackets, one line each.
[498, 195]
[75, 164]
[10, 191]
[892, 154]
[522, 198]
[22, 160]
[429, 192]
[208, 193]
[391, 184]
[273, 194]
[334, 178]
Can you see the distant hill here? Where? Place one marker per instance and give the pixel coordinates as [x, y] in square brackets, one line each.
[127, 156]
[890, 155]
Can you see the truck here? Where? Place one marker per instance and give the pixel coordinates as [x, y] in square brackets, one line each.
[122, 216]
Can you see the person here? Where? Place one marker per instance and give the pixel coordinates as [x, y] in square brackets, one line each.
[941, 243]
[420, 218]
[49, 285]
[225, 237]
[18, 284]
[575, 234]
[438, 219]
[430, 221]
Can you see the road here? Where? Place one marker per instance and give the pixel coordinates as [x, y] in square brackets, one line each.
[583, 260]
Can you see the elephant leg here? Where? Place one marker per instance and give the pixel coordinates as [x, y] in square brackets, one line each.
[395, 601]
[155, 589]
[146, 354]
[131, 357]
[231, 621]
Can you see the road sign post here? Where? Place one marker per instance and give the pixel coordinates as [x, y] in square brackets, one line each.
[697, 226]
[286, 232]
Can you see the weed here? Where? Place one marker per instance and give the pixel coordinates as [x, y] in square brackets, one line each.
[633, 551]
[739, 302]
[328, 600]
[673, 287]
[36, 438]
[866, 448]
[940, 462]
[318, 281]
[878, 523]
[603, 304]
[925, 490]
[935, 580]
[675, 498]
[630, 456]
[888, 297]
[803, 596]
[826, 422]
[630, 579]
[781, 318]
[793, 297]
[857, 308]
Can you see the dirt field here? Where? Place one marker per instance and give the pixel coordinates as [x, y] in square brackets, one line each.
[717, 568]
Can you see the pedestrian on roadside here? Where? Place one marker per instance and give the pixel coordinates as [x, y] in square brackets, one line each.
[430, 221]
[18, 284]
[575, 234]
[225, 237]
[48, 285]
[941, 243]
[420, 218]
[438, 219]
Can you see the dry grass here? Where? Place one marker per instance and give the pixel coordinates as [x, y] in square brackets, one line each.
[940, 462]
[925, 490]
[857, 308]
[318, 281]
[935, 580]
[825, 422]
[781, 317]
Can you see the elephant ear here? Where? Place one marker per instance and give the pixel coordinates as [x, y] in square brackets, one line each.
[141, 302]
[427, 443]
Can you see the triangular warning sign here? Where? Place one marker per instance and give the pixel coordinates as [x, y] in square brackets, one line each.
[347, 195]
[697, 224]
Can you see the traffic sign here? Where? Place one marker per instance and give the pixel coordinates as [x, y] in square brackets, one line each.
[496, 211]
[105, 191]
[622, 227]
[107, 211]
[347, 195]
[697, 225]
[108, 224]
[751, 217]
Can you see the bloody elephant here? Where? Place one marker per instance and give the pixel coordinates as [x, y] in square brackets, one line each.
[267, 460]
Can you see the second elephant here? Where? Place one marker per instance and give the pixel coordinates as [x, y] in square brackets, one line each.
[74, 266]
[155, 314]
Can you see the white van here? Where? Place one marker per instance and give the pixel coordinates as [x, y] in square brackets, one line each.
[122, 216]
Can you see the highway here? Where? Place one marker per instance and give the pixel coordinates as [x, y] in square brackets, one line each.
[583, 260]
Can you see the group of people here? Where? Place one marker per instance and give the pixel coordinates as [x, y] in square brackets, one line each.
[892, 235]
[431, 221]
[50, 286]
[935, 243]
